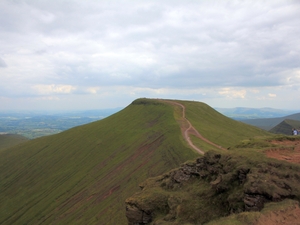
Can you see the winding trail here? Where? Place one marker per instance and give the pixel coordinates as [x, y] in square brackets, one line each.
[190, 130]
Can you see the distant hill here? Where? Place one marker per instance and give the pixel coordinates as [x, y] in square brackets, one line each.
[83, 175]
[10, 140]
[243, 113]
[286, 126]
[269, 123]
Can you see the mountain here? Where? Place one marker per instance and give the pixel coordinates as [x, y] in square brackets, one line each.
[9, 140]
[286, 126]
[243, 113]
[269, 123]
[83, 175]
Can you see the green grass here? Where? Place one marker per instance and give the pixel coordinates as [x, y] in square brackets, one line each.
[286, 126]
[80, 175]
[203, 145]
[218, 128]
[84, 175]
[182, 204]
[254, 148]
[10, 140]
[205, 197]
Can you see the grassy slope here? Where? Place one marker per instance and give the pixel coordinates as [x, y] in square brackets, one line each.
[285, 127]
[83, 175]
[9, 140]
[247, 143]
[218, 128]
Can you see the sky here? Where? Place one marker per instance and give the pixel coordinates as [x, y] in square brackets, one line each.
[94, 54]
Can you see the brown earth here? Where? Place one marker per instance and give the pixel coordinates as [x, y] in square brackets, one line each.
[287, 150]
[287, 216]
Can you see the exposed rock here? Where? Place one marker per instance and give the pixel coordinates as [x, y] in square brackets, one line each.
[235, 184]
[242, 175]
[136, 216]
[180, 176]
[254, 202]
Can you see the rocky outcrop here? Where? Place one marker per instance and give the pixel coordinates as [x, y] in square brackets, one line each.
[137, 216]
[232, 184]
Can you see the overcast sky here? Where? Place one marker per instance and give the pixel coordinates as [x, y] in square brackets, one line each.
[103, 54]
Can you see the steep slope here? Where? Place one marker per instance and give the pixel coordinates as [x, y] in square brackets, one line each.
[286, 126]
[9, 140]
[84, 175]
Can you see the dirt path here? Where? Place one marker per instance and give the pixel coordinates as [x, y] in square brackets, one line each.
[188, 129]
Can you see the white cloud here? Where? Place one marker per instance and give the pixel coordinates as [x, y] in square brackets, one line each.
[272, 95]
[232, 93]
[229, 50]
[93, 90]
[53, 89]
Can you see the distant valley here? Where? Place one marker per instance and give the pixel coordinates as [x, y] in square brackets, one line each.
[279, 125]
[37, 124]
[244, 113]
[274, 120]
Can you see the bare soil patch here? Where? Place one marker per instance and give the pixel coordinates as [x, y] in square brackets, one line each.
[287, 150]
[287, 216]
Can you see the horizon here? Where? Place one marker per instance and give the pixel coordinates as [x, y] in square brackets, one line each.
[122, 107]
[61, 55]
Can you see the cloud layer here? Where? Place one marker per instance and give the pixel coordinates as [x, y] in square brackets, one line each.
[99, 54]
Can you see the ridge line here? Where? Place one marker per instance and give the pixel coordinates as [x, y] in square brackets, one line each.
[191, 129]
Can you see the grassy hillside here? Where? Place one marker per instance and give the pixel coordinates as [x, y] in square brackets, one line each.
[9, 140]
[218, 128]
[84, 175]
[286, 126]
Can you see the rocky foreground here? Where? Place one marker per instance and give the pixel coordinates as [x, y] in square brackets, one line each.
[213, 186]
